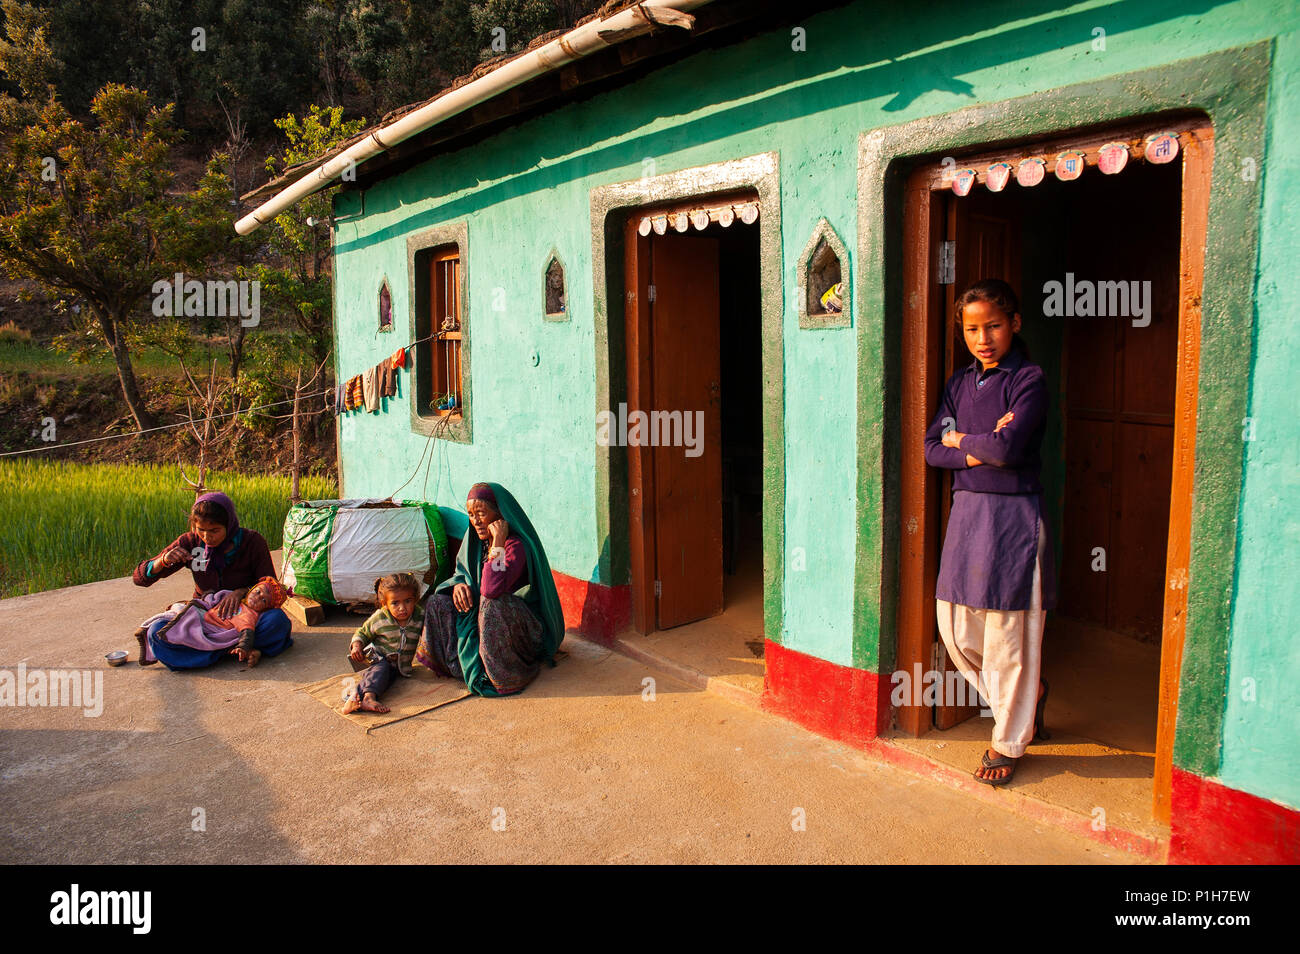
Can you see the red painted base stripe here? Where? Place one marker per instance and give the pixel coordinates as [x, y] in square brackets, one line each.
[592, 609]
[1212, 824]
[846, 704]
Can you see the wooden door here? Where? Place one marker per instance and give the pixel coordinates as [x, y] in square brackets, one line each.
[686, 374]
[987, 245]
[1119, 415]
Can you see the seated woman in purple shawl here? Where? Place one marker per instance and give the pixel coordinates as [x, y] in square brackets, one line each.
[222, 556]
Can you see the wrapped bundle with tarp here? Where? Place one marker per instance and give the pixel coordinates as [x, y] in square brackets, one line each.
[334, 550]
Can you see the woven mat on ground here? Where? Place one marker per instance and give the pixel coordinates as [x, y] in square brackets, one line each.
[405, 698]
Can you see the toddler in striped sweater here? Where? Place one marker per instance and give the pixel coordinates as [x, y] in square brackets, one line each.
[386, 641]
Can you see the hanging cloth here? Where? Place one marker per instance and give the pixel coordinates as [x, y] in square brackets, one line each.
[370, 388]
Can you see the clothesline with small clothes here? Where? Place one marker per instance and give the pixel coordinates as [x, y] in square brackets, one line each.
[367, 389]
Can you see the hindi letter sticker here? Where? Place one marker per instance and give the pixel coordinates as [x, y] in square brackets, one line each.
[1162, 148]
[963, 180]
[1112, 158]
[997, 176]
[1069, 165]
[1031, 171]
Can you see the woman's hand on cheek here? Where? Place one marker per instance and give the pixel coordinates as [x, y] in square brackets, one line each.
[500, 530]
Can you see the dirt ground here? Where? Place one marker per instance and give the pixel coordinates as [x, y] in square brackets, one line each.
[232, 765]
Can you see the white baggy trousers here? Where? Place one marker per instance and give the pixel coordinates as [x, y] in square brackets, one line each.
[1000, 653]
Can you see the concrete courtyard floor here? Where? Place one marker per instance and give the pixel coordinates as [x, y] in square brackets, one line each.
[581, 767]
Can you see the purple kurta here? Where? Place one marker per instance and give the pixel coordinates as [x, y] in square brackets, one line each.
[992, 537]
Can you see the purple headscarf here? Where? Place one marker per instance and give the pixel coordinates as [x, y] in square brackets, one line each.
[483, 492]
[216, 560]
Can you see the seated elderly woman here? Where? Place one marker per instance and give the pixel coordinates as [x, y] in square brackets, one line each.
[498, 617]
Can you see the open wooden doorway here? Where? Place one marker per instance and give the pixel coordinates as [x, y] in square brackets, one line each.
[1118, 456]
[694, 351]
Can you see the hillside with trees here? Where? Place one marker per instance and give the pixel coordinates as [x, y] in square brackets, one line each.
[128, 131]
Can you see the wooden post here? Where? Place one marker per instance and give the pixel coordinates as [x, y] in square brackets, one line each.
[297, 460]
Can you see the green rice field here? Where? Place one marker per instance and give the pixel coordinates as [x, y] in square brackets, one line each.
[65, 523]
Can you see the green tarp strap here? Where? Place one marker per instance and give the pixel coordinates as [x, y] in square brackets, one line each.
[306, 549]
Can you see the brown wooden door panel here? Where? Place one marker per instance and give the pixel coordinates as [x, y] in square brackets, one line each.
[1150, 356]
[1120, 389]
[919, 490]
[1140, 528]
[1090, 376]
[1088, 467]
[685, 331]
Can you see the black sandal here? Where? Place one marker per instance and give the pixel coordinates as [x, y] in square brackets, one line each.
[1001, 761]
[1040, 730]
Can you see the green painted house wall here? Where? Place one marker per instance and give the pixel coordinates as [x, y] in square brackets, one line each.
[1261, 724]
[526, 191]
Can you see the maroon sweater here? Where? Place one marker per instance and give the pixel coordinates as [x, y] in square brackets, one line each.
[248, 559]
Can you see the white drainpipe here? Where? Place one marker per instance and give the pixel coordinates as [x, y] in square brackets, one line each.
[577, 43]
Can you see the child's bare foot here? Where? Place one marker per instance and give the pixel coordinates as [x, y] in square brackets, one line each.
[254, 657]
[368, 703]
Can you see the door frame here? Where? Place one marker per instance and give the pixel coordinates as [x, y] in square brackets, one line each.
[1229, 88]
[612, 207]
[924, 324]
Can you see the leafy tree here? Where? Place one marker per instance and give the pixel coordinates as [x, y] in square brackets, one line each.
[256, 54]
[25, 53]
[523, 20]
[86, 213]
[382, 56]
[295, 278]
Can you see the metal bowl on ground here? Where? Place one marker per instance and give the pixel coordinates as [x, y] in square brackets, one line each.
[115, 658]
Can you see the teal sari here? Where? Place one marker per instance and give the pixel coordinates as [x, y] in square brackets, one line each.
[541, 597]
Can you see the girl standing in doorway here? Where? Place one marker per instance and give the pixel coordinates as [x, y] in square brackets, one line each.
[996, 578]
